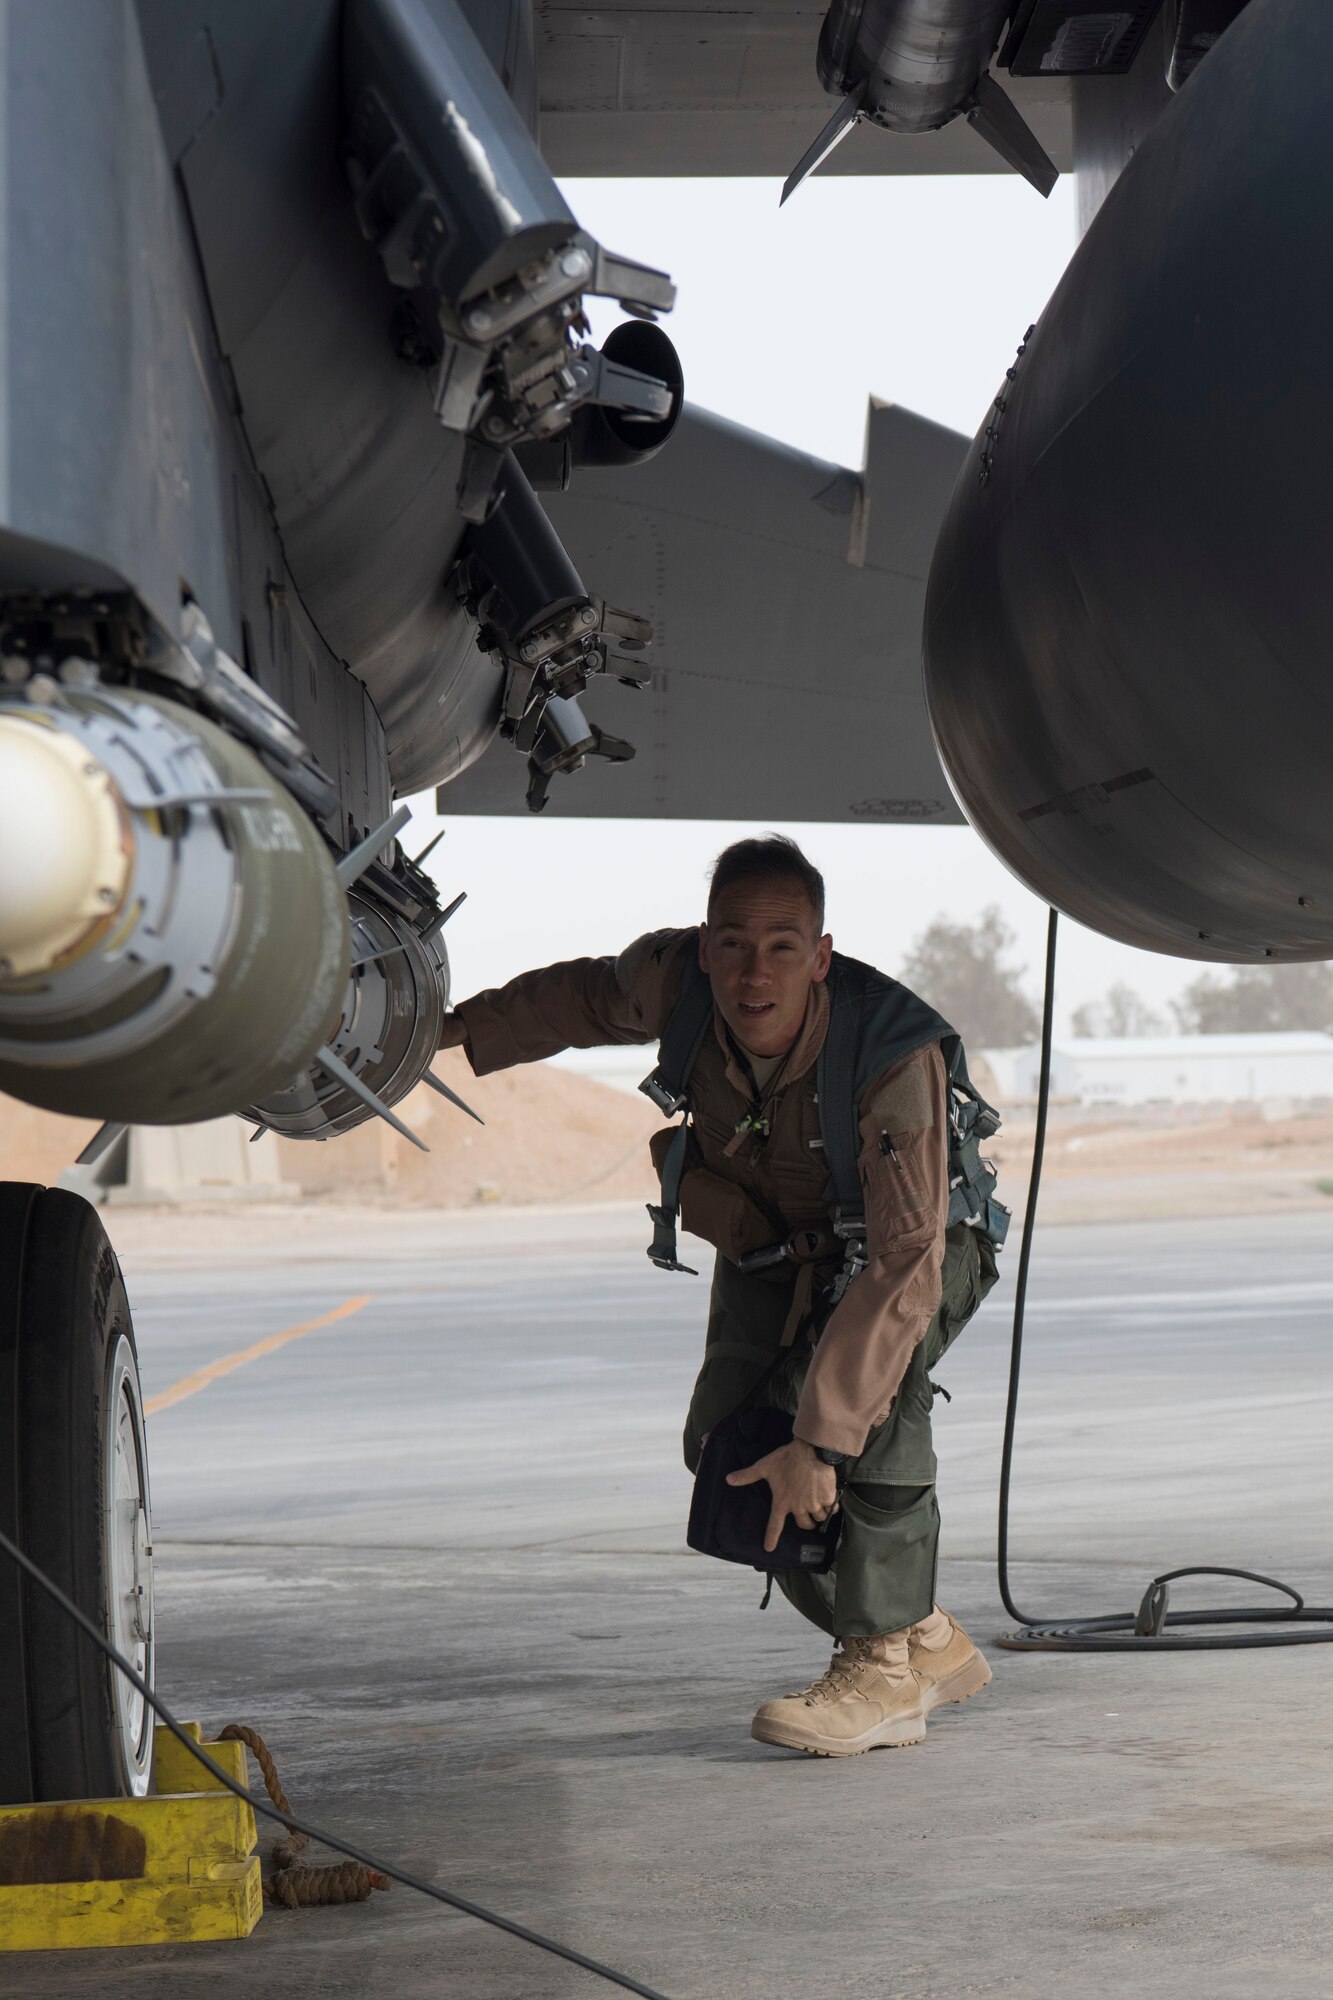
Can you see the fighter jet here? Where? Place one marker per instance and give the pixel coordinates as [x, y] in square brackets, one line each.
[293, 341]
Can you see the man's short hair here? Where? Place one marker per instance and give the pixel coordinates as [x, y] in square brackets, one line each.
[770, 858]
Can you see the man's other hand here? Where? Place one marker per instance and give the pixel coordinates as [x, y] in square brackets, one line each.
[452, 1032]
[801, 1485]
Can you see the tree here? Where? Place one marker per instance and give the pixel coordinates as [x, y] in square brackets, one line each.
[1257, 999]
[1122, 1012]
[964, 971]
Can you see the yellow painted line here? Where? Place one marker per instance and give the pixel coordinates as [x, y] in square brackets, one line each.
[190, 1385]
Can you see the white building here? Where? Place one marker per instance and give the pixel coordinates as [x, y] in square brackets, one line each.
[1171, 1069]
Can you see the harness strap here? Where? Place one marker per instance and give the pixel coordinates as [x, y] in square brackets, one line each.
[811, 1253]
[664, 1248]
[839, 1120]
[802, 1298]
[682, 1038]
[972, 1179]
[840, 1127]
[668, 1087]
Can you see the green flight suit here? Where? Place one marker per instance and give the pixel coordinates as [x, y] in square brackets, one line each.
[884, 1575]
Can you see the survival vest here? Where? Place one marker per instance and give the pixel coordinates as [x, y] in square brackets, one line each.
[874, 1022]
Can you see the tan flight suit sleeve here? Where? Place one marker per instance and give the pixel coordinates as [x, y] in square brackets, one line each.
[582, 1003]
[862, 1355]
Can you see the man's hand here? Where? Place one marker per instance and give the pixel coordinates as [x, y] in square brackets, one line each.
[452, 1032]
[801, 1485]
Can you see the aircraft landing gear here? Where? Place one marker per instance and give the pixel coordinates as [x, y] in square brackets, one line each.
[74, 1496]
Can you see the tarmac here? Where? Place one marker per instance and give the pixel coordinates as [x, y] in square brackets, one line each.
[433, 1549]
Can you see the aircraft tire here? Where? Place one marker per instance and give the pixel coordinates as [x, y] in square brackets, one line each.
[74, 1495]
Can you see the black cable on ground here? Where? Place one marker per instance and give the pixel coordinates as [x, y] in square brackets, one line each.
[294, 1825]
[1147, 1629]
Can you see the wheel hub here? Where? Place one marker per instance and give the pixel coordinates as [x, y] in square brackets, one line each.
[143, 1577]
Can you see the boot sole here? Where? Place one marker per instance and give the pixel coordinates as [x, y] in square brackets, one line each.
[895, 1735]
[963, 1682]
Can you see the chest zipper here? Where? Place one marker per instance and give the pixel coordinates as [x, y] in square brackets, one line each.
[754, 1125]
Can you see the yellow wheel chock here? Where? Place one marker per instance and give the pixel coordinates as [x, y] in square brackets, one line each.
[175, 1868]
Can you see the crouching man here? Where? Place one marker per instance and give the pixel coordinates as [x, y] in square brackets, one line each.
[855, 1236]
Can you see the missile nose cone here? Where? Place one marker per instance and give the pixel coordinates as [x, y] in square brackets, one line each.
[65, 848]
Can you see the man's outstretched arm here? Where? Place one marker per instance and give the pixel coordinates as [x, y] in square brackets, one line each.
[581, 1003]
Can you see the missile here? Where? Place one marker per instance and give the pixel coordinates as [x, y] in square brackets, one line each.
[174, 939]
[386, 1032]
[912, 66]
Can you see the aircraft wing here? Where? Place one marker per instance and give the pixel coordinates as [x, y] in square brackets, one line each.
[699, 89]
[786, 596]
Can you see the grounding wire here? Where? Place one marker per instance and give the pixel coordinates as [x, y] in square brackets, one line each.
[1024, 1261]
[289, 1820]
[1123, 1631]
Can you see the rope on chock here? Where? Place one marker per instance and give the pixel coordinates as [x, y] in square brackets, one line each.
[292, 1883]
[345, 1882]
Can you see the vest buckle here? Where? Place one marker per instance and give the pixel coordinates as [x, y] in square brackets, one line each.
[661, 1094]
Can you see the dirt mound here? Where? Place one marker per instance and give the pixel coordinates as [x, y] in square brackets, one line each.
[549, 1136]
[36, 1145]
[552, 1136]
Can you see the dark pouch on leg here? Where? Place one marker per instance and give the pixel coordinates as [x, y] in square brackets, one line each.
[729, 1521]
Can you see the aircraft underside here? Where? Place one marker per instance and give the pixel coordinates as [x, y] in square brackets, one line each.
[295, 342]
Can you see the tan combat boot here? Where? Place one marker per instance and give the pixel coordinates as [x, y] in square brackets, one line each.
[868, 1700]
[946, 1663]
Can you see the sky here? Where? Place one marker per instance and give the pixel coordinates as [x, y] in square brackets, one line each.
[913, 290]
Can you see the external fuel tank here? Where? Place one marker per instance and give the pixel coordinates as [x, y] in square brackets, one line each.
[1127, 634]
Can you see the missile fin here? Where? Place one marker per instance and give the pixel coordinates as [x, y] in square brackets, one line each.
[356, 861]
[373, 957]
[145, 800]
[338, 1070]
[105, 1136]
[438, 923]
[997, 120]
[452, 1096]
[429, 848]
[831, 136]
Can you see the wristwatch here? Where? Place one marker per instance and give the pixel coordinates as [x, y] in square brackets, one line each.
[827, 1457]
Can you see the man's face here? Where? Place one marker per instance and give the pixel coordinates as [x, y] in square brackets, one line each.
[762, 951]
